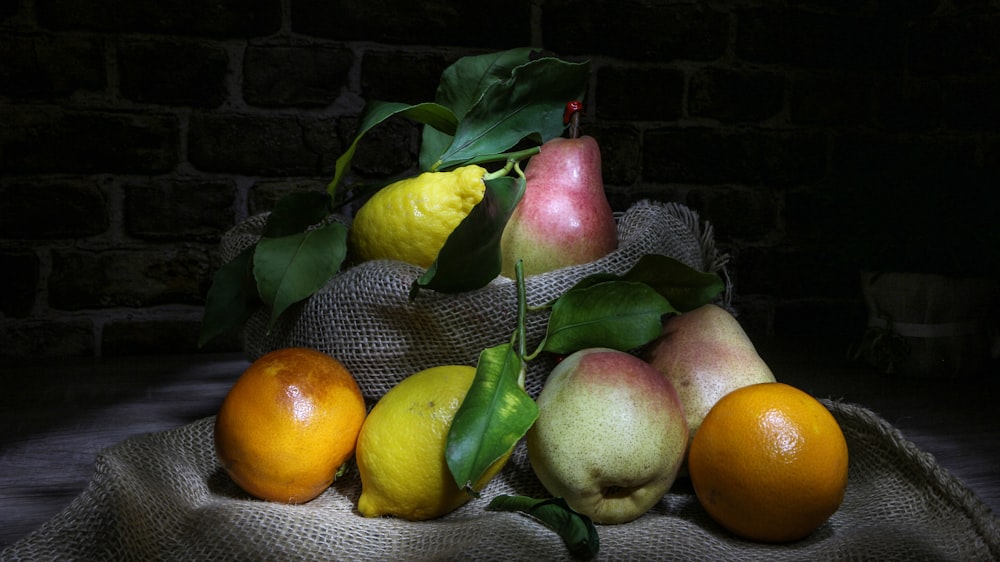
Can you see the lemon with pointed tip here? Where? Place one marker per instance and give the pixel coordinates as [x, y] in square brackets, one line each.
[411, 219]
[401, 448]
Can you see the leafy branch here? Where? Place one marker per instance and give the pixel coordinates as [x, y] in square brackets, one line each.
[606, 310]
[484, 108]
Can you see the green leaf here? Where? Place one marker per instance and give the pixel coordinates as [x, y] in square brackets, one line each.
[685, 287]
[528, 105]
[576, 530]
[432, 144]
[233, 297]
[291, 268]
[585, 282]
[617, 314]
[461, 86]
[471, 257]
[494, 415]
[230, 298]
[463, 83]
[433, 114]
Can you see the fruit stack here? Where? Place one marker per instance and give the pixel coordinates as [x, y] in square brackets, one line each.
[612, 435]
[626, 377]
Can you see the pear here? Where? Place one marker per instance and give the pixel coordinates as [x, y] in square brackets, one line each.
[564, 217]
[705, 354]
[610, 435]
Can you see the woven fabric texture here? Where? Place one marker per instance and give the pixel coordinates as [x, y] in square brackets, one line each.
[364, 317]
[163, 496]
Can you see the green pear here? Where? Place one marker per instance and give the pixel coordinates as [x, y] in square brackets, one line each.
[706, 354]
[564, 217]
[610, 435]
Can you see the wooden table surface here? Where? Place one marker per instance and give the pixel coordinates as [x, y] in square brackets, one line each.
[56, 415]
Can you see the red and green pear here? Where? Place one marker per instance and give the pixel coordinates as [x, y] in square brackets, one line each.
[564, 217]
[610, 436]
[706, 354]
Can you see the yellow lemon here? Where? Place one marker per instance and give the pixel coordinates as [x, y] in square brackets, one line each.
[401, 448]
[411, 219]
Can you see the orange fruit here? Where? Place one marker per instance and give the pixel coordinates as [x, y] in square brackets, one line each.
[769, 463]
[288, 424]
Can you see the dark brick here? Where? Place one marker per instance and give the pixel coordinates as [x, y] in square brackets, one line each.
[48, 338]
[499, 24]
[907, 104]
[829, 327]
[140, 278]
[834, 6]
[57, 209]
[623, 197]
[737, 212]
[250, 144]
[812, 39]
[9, 8]
[635, 30]
[50, 139]
[323, 136]
[265, 194]
[820, 213]
[295, 75]
[794, 274]
[905, 9]
[620, 155]
[901, 161]
[735, 95]
[991, 158]
[402, 77]
[19, 283]
[704, 155]
[385, 151]
[45, 67]
[973, 6]
[901, 9]
[751, 268]
[923, 205]
[843, 99]
[158, 336]
[224, 18]
[956, 44]
[804, 271]
[972, 105]
[180, 209]
[756, 317]
[173, 72]
[643, 94]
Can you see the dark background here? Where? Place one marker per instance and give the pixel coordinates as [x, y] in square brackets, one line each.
[819, 139]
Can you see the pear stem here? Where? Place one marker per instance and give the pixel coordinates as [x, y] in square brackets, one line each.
[521, 333]
[522, 310]
[571, 117]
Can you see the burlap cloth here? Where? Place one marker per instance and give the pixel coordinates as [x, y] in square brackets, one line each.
[363, 316]
[162, 496]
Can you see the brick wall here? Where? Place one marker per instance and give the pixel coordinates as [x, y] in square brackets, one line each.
[816, 137]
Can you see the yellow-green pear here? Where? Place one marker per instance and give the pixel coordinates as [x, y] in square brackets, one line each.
[706, 354]
[610, 436]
